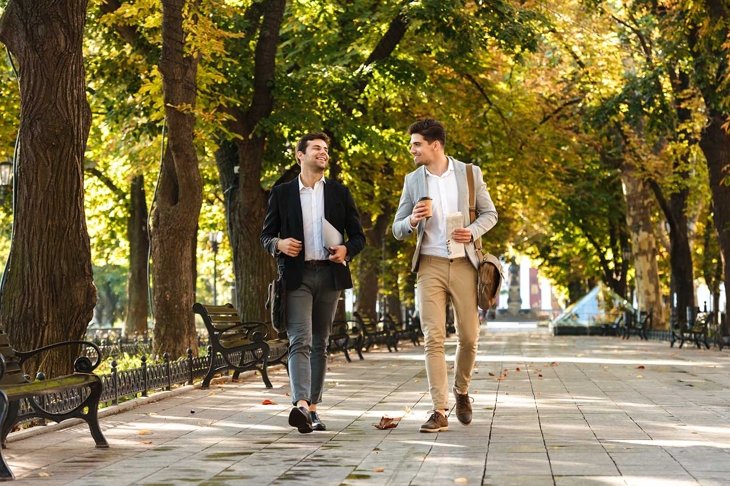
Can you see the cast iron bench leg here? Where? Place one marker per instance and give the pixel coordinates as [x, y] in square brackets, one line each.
[211, 371]
[11, 412]
[92, 416]
[5, 472]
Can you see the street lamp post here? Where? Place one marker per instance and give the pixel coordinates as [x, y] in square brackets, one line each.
[215, 238]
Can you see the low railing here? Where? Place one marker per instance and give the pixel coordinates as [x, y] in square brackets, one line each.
[124, 385]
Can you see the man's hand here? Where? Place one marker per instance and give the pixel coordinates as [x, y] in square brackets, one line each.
[289, 247]
[420, 210]
[337, 253]
[461, 235]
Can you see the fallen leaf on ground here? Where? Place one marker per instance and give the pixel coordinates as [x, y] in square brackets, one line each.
[406, 410]
[266, 401]
[640, 367]
[461, 480]
[491, 374]
[539, 375]
[146, 442]
[144, 432]
[44, 474]
[379, 469]
[387, 423]
[554, 363]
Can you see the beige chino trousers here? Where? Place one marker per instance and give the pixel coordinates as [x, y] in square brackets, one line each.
[438, 279]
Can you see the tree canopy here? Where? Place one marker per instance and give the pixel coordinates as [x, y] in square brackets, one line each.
[560, 103]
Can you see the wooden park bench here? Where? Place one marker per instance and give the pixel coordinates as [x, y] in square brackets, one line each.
[615, 327]
[403, 331]
[58, 398]
[699, 330]
[346, 336]
[239, 346]
[694, 329]
[637, 324]
[375, 333]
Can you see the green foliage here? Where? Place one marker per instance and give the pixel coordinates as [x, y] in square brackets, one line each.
[548, 99]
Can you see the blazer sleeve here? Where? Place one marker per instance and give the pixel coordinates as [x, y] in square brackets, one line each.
[486, 212]
[353, 227]
[401, 222]
[272, 224]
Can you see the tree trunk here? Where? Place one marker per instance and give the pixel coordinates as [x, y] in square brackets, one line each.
[680, 256]
[245, 200]
[254, 268]
[48, 293]
[177, 203]
[643, 243]
[366, 286]
[369, 264]
[715, 144]
[139, 244]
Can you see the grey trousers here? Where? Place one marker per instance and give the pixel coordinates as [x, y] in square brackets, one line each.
[310, 310]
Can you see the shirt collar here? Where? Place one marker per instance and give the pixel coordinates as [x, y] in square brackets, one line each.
[448, 172]
[302, 186]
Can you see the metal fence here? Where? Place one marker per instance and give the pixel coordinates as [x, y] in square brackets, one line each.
[124, 385]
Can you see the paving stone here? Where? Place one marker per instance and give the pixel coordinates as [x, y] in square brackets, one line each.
[593, 417]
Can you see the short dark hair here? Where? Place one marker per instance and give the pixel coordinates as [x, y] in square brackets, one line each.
[429, 129]
[304, 141]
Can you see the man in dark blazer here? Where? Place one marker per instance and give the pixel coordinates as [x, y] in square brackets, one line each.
[314, 272]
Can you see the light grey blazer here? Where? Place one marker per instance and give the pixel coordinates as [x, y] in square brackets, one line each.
[415, 187]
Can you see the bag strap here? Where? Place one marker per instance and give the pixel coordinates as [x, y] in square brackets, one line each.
[472, 201]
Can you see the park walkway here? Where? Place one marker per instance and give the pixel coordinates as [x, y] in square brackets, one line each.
[548, 411]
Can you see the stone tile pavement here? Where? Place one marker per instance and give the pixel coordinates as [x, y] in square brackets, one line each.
[547, 411]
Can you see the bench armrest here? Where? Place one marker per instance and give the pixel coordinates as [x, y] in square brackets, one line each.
[82, 364]
[256, 331]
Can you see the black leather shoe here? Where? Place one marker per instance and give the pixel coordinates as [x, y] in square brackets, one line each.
[317, 422]
[299, 418]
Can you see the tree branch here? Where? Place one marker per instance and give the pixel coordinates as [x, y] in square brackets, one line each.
[129, 33]
[107, 182]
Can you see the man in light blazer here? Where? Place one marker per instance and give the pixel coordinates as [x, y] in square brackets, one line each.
[314, 274]
[442, 272]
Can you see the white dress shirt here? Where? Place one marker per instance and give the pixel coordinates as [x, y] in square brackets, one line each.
[445, 200]
[312, 201]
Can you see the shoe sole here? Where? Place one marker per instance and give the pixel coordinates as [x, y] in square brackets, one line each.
[440, 429]
[299, 420]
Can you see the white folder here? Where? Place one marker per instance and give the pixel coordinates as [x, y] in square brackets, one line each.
[330, 235]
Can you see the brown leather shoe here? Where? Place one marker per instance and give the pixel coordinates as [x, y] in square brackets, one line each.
[435, 423]
[463, 407]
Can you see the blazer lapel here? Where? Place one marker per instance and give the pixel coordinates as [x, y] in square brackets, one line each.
[295, 208]
[460, 173]
[422, 183]
[328, 198]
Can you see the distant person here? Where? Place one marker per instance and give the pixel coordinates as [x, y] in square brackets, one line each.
[314, 274]
[441, 181]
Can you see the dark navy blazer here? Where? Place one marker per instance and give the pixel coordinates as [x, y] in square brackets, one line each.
[284, 220]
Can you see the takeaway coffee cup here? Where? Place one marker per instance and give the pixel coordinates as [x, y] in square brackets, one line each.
[427, 202]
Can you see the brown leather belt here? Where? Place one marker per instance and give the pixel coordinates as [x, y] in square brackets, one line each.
[316, 263]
